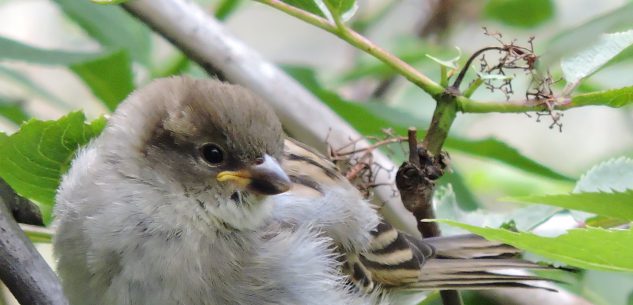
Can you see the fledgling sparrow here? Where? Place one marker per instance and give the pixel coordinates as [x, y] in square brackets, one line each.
[192, 195]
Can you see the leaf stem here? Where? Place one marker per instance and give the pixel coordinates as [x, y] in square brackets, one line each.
[443, 76]
[337, 18]
[443, 117]
[473, 87]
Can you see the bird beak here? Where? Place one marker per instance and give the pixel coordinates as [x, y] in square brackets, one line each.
[266, 178]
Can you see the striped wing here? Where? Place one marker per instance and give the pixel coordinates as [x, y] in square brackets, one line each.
[393, 259]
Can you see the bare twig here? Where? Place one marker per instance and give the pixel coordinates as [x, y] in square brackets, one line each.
[370, 147]
[412, 140]
[357, 163]
[22, 268]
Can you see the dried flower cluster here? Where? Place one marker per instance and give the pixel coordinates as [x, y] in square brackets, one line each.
[497, 74]
[357, 164]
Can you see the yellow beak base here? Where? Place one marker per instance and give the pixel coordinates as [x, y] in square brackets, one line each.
[239, 178]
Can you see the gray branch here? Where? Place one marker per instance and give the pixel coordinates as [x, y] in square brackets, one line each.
[22, 209]
[22, 268]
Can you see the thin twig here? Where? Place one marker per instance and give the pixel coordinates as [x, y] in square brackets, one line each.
[371, 147]
[412, 134]
[363, 163]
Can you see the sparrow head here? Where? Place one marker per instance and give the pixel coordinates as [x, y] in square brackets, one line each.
[212, 138]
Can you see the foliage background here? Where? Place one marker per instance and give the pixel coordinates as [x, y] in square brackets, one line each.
[101, 54]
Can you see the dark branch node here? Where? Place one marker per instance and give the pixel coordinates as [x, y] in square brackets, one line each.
[416, 181]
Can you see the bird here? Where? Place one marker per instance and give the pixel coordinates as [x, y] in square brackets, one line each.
[193, 194]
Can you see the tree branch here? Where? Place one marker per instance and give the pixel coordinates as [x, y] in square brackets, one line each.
[416, 178]
[467, 105]
[22, 268]
[443, 118]
[22, 209]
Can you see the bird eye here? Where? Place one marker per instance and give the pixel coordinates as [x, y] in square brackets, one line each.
[212, 154]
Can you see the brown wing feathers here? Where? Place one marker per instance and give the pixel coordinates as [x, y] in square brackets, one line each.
[394, 259]
[309, 171]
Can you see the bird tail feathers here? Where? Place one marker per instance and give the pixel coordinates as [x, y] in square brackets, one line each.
[471, 262]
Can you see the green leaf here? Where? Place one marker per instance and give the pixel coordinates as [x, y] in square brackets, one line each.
[432, 298]
[359, 116]
[97, 125]
[109, 77]
[311, 6]
[612, 175]
[109, 1]
[465, 198]
[369, 122]
[345, 9]
[520, 13]
[615, 98]
[449, 63]
[111, 26]
[581, 36]
[33, 159]
[616, 204]
[11, 49]
[605, 288]
[226, 8]
[447, 207]
[176, 64]
[491, 148]
[604, 222]
[605, 190]
[588, 61]
[410, 50]
[13, 110]
[589, 248]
